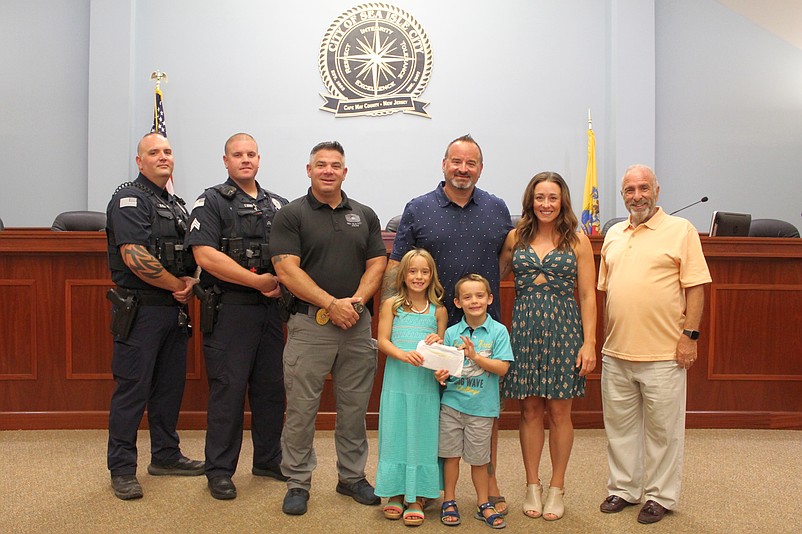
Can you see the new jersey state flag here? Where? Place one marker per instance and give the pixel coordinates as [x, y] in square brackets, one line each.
[590, 200]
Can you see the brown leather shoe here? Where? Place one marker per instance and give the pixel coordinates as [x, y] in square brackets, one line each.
[652, 512]
[614, 504]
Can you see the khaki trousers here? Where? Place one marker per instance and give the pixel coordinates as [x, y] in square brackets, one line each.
[312, 352]
[644, 418]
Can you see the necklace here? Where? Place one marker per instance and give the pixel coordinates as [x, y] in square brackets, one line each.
[414, 310]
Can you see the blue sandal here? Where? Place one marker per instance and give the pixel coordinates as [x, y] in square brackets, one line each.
[453, 513]
[490, 521]
[494, 500]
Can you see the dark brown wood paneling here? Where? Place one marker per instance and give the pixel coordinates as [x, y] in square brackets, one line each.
[88, 342]
[59, 331]
[56, 349]
[747, 360]
[737, 350]
[18, 341]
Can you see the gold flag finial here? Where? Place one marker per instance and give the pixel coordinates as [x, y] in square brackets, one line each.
[158, 76]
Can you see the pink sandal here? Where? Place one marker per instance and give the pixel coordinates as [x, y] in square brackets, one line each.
[393, 510]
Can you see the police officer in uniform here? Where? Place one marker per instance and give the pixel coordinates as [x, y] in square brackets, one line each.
[243, 337]
[153, 274]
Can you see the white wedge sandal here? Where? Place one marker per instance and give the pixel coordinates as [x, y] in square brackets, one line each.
[533, 504]
[554, 506]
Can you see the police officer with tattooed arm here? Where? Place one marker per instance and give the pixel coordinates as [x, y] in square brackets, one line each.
[242, 332]
[153, 272]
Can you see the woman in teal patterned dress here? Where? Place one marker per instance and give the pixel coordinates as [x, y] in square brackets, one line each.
[554, 342]
[409, 412]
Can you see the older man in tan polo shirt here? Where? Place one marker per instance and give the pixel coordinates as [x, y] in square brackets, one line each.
[653, 271]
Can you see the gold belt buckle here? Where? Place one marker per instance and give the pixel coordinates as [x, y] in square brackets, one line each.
[321, 317]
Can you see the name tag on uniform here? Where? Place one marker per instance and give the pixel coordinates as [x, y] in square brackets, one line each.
[128, 202]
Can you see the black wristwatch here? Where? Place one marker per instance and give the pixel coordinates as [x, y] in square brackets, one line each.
[693, 334]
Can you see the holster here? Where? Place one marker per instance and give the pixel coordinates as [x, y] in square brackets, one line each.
[123, 313]
[287, 304]
[209, 308]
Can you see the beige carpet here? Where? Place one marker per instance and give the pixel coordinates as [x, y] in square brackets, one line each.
[56, 481]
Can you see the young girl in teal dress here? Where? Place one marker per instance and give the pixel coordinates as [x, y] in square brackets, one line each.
[408, 469]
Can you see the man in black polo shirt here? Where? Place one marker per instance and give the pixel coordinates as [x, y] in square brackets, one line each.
[328, 252]
[242, 342]
[153, 272]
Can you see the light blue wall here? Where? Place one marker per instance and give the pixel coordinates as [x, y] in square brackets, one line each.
[729, 114]
[44, 49]
[520, 79]
[681, 85]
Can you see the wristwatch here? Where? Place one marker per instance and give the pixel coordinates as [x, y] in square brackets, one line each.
[693, 334]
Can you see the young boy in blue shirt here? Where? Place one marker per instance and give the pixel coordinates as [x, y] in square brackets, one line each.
[470, 403]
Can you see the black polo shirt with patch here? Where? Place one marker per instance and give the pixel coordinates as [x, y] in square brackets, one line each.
[333, 244]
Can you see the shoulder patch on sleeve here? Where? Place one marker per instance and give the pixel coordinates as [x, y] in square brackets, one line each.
[276, 203]
[128, 202]
[199, 203]
[195, 225]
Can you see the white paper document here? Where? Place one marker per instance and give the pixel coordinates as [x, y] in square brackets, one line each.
[437, 356]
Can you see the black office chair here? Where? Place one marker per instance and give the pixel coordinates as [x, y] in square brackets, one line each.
[772, 228]
[80, 221]
[392, 224]
[610, 223]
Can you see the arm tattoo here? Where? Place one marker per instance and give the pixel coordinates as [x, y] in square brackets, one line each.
[388, 287]
[277, 259]
[142, 263]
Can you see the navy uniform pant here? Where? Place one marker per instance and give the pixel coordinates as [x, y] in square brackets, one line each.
[149, 369]
[244, 354]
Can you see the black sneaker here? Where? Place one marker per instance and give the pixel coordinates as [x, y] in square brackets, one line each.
[295, 501]
[361, 491]
[182, 467]
[272, 471]
[126, 487]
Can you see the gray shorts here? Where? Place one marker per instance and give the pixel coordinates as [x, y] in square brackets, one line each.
[464, 436]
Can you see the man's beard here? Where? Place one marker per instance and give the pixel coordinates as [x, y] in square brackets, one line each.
[457, 185]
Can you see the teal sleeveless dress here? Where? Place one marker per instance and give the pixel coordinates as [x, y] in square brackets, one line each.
[409, 417]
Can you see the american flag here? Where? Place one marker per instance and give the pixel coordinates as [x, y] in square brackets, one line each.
[158, 115]
[159, 126]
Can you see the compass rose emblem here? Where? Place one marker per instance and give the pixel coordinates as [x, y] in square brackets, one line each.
[375, 59]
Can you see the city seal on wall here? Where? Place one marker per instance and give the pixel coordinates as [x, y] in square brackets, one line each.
[375, 59]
